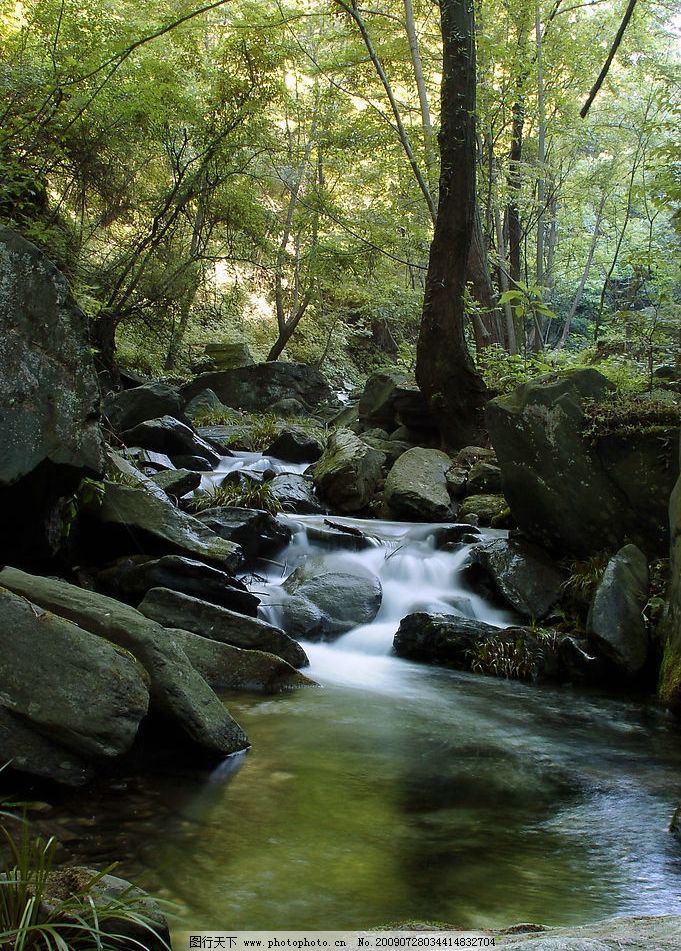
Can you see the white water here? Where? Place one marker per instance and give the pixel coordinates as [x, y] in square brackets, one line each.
[253, 462]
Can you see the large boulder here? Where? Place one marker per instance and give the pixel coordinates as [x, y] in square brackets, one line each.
[48, 400]
[130, 578]
[169, 436]
[391, 399]
[128, 518]
[615, 623]
[172, 609]
[256, 532]
[522, 574]
[32, 753]
[252, 387]
[176, 482]
[177, 691]
[348, 472]
[572, 492]
[416, 487]
[346, 594]
[150, 401]
[670, 672]
[79, 690]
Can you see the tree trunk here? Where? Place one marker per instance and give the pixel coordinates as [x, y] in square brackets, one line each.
[445, 372]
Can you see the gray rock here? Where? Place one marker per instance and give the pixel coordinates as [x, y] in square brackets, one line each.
[288, 407]
[131, 407]
[227, 354]
[177, 482]
[53, 672]
[347, 594]
[484, 478]
[416, 487]
[256, 532]
[457, 478]
[615, 623]
[295, 445]
[348, 472]
[30, 752]
[177, 691]
[148, 460]
[487, 509]
[131, 578]
[523, 574]
[675, 824]
[171, 437]
[296, 493]
[470, 456]
[172, 609]
[299, 617]
[392, 449]
[136, 519]
[262, 384]
[204, 402]
[643, 933]
[194, 463]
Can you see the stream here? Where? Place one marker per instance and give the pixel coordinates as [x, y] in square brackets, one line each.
[399, 791]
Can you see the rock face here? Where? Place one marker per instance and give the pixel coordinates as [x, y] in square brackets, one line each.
[204, 402]
[416, 487]
[177, 690]
[670, 672]
[79, 690]
[256, 532]
[168, 435]
[615, 622]
[252, 387]
[569, 493]
[172, 609]
[389, 400]
[345, 594]
[347, 474]
[136, 519]
[131, 407]
[177, 482]
[521, 573]
[48, 398]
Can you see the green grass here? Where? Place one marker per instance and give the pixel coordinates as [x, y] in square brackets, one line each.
[249, 495]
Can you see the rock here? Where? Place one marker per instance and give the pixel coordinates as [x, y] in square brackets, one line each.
[171, 437]
[49, 401]
[523, 574]
[670, 671]
[377, 402]
[446, 537]
[295, 445]
[172, 609]
[300, 618]
[347, 418]
[78, 690]
[288, 407]
[203, 403]
[392, 449]
[225, 355]
[347, 594]
[484, 478]
[256, 532]
[615, 623]
[348, 472]
[262, 384]
[675, 824]
[29, 752]
[416, 487]
[151, 462]
[131, 578]
[177, 482]
[486, 508]
[134, 519]
[296, 493]
[129, 408]
[643, 933]
[457, 479]
[469, 456]
[193, 463]
[119, 464]
[570, 492]
[177, 691]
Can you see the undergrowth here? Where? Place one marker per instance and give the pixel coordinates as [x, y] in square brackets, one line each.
[512, 659]
[631, 416]
[248, 494]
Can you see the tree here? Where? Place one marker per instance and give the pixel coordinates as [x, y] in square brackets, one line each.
[445, 372]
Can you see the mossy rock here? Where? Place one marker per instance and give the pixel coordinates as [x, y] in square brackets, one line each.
[487, 508]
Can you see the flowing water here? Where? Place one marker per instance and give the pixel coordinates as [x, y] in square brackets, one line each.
[399, 791]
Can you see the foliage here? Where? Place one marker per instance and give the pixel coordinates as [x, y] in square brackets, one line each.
[513, 658]
[246, 493]
[632, 416]
[585, 576]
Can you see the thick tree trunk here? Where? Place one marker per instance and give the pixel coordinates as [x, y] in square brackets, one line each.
[445, 372]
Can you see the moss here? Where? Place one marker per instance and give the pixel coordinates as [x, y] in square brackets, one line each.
[630, 416]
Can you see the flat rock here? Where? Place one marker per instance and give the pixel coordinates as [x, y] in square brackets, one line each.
[150, 401]
[177, 482]
[521, 573]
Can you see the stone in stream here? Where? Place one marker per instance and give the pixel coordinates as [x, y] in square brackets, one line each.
[615, 623]
[346, 594]
[521, 573]
[54, 672]
[178, 692]
[177, 482]
[293, 444]
[171, 437]
[255, 531]
[32, 753]
[172, 609]
[296, 494]
[416, 487]
[348, 472]
[131, 518]
[150, 401]
[131, 578]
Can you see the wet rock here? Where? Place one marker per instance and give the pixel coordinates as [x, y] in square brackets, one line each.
[129, 408]
[484, 478]
[53, 671]
[348, 472]
[172, 609]
[177, 482]
[119, 464]
[256, 532]
[296, 615]
[177, 691]
[171, 437]
[131, 578]
[36, 755]
[486, 508]
[347, 594]
[296, 493]
[416, 487]
[252, 387]
[447, 536]
[521, 573]
[470, 456]
[295, 445]
[133, 518]
[194, 463]
[615, 623]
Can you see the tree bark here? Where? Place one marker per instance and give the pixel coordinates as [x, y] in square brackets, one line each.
[445, 372]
